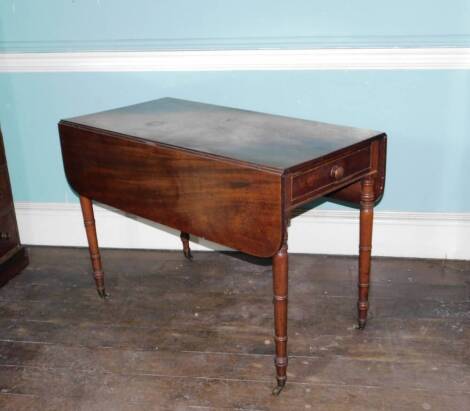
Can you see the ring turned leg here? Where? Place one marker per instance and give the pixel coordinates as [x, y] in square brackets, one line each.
[186, 250]
[280, 287]
[89, 220]
[365, 247]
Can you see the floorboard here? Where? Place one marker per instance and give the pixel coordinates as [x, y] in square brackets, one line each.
[180, 335]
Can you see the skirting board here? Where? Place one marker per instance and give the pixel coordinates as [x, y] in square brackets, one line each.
[396, 234]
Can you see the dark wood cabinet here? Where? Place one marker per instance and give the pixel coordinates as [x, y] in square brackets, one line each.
[13, 256]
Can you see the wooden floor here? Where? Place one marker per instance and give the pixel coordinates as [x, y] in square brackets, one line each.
[181, 335]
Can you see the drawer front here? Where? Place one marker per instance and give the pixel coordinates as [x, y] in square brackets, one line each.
[8, 232]
[6, 200]
[326, 176]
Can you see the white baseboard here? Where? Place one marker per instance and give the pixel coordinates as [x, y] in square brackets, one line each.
[430, 58]
[397, 234]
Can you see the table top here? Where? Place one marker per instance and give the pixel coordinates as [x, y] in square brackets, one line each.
[264, 139]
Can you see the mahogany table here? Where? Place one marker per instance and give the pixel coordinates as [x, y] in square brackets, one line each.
[230, 176]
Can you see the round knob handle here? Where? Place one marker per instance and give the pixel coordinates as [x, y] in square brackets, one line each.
[337, 172]
[4, 235]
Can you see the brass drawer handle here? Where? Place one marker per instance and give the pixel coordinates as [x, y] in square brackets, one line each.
[4, 235]
[337, 172]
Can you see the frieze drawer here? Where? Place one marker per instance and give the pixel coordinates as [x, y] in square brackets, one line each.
[327, 176]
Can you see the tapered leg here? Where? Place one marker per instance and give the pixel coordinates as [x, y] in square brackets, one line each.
[280, 287]
[89, 220]
[365, 247]
[186, 250]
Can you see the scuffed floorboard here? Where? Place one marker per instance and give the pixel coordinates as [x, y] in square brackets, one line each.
[181, 335]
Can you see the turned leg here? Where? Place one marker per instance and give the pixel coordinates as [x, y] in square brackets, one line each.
[89, 220]
[365, 247]
[280, 286]
[186, 250]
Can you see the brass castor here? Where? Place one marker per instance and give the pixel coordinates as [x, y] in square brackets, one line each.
[102, 293]
[280, 385]
[186, 250]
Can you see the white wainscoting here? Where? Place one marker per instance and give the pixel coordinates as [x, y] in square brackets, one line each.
[397, 234]
[220, 60]
[400, 234]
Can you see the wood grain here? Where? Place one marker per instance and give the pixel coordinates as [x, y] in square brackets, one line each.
[13, 256]
[210, 198]
[61, 348]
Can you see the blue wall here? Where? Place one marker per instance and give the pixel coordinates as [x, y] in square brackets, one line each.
[47, 25]
[425, 113]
